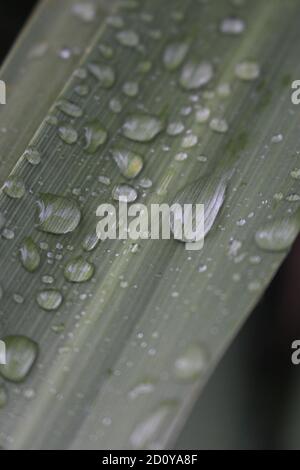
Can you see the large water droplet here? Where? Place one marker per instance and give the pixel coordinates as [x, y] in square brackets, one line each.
[147, 431]
[174, 55]
[14, 187]
[279, 234]
[79, 270]
[209, 191]
[29, 255]
[191, 364]
[142, 127]
[130, 163]
[21, 353]
[195, 75]
[95, 136]
[57, 214]
[103, 73]
[49, 299]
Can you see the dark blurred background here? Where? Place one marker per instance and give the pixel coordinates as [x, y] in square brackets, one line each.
[252, 400]
[13, 15]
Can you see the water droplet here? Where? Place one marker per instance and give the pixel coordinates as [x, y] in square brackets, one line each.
[103, 73]
[279, 234]
[218, 125]
[247, 70]
[85, 11]
[69, 108]
[67, 134]
[196, 75]
[115, 21]
[90, 241]
[130, 163]
[49, 299]
[124, 193]
[130, 89]
[209, 191]
[143, 388]
[147, 431]
[189, 141]
[106, 51]
[276, 139]
[29, 255]
[115, 105]
[175, 54]
[33, 156]
[21, 353]
[57, 214]
[181, 156]
[232, 25]
[202, 114]
[3, 396]
[191, 364]
[95, 136]
[14, 187]
[128, 38]
[79, 270]
[295, 173]
[175, 128]
[142, 127]
[293, 198]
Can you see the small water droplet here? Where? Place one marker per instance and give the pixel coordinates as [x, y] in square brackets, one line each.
[33, 156]
[90, 241]
[218, 125]
[202, 114]
[124, 193]
[49, 299]
[69, 108]
[79, 270]
[67, 134]
[29, 255]
[95, 136]
[131, 89]
[189, 141]
[232, 25]
[142, 127]
[57, 214]
[14, 187]
[247, 70]
[276, 139]
[142, 388]
[175, 128]
[295, 173]
[128, 38]
[191, 364]
[103, 73]
[196, 75]
[115, 105]
[130, 163]
[175, 54]
[279, 234]
[84, 10]
[21, 353]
